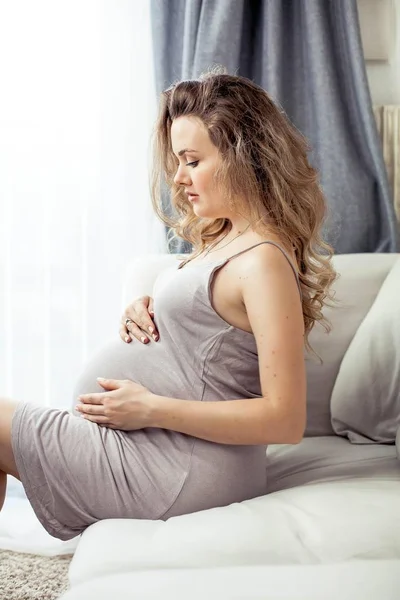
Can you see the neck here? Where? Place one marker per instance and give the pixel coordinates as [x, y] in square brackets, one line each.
[226, 240]
[237, 230]
[238, 226]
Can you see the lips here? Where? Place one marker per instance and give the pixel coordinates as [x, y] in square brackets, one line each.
[192, 197]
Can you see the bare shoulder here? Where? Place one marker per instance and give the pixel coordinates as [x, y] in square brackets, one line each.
[265, 272]
[267, 259]
[269, 253]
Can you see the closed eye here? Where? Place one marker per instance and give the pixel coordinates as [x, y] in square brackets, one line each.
[193, 164]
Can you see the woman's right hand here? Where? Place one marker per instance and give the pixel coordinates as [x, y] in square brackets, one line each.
[141, 313]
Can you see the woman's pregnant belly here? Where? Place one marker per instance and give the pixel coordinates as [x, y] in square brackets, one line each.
[156, 461]
[186, 474]
[155, 365]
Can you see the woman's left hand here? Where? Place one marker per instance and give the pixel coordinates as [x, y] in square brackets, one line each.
[125, 405]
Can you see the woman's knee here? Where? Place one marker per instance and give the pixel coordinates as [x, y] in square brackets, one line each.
[7, 462]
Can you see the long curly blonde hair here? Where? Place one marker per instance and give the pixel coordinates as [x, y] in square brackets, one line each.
[263, 157]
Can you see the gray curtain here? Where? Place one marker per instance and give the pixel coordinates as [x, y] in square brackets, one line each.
[307, 54]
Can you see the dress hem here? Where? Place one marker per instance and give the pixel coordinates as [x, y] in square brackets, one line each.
[47, 520]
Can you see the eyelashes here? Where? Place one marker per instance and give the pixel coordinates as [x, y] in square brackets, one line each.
[192, 164]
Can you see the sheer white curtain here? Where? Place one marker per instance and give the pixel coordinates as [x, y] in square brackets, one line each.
[77, 107]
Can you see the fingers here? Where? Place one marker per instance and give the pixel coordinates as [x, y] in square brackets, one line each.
[144, 318]
[130, 331]
[90, 413]
[92, 409]
[147, 324]
[90, 400]
[141, 326]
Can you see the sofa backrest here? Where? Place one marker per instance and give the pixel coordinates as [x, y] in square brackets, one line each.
[360, 278]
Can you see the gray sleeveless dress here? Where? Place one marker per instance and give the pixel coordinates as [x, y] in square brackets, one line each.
[76, 473]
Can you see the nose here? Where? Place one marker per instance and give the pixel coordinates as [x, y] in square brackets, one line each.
[182, 176]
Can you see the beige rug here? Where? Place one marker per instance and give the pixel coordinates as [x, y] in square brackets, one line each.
[33, 577]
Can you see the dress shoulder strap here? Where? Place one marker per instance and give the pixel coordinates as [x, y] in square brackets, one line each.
[283, 252]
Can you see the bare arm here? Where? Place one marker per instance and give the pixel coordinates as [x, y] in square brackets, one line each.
[279, 416]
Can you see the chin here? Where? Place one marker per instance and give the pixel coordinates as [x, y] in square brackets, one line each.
[200, 211]
[204, 212]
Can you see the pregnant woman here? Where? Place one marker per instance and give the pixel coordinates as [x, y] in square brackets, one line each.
[182, 418]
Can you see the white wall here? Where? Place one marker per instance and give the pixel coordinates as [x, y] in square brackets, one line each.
[384, 78]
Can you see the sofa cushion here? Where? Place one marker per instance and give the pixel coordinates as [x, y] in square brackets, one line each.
[334, 521]
[328, 458]
[340, 503]
[358, 580]
[365, 403]
[361, 276]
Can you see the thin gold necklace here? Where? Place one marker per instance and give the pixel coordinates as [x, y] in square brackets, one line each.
[220, 248]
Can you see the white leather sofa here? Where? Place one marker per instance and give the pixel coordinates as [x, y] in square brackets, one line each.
[329, 526]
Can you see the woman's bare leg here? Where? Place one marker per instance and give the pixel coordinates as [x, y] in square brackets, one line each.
[7, 462]
[3, 488]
